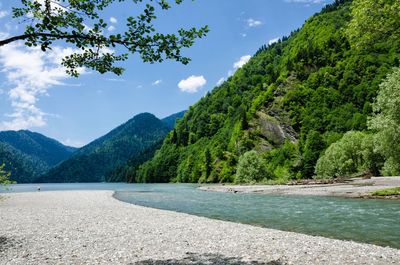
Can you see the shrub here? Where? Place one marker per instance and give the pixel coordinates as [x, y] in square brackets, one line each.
[4, 176]
[251, 168]
[353, 153]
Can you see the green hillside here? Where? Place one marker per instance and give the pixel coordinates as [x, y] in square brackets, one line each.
[98, 160]
[27, 154]
[289, 103]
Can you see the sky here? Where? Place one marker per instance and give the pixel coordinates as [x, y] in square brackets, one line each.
[36, 94]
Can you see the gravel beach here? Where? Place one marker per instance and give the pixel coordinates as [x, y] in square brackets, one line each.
[355, 188]
[91, 227]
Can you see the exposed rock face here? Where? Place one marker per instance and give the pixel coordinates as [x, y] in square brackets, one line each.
[272, 131]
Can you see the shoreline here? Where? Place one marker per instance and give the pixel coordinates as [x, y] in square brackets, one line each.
[92, 227]
[355, 188]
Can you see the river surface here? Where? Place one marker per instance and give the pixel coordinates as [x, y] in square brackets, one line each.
[363, 220]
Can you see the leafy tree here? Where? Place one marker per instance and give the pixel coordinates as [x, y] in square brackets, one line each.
[374, 20]
[386, 121]
[80, 25]
[4, 176]
[313, 147]
[251, 168]
[353, 153]
[207, 164]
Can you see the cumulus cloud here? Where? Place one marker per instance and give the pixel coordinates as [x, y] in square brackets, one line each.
[192, 84]
[242, 61]
[30, 73]
[157, 82]
[275, 40]
[252, 23]
[113, 20]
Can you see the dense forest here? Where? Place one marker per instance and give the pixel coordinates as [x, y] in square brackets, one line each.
[27, 154]
[278, 114]
[98, 160]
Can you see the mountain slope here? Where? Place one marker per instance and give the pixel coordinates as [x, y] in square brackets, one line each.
[170, 121]
[289, 103]
[95, 161]
[127, 172]
[28, 154]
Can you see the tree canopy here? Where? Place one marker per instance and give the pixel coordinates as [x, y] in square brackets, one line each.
[386, 121]
[79, 23]
[373, 22]
[4, 176]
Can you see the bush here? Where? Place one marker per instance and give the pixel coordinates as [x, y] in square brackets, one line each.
[4, 176]
[251, 168]
[353, 153]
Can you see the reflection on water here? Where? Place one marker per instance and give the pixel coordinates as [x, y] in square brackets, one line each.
[370, 221]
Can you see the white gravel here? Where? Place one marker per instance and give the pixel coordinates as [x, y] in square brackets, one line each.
[355, 188]
[91, 227]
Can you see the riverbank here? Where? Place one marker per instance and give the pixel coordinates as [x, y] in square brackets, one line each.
[91, 227]
[354, 188]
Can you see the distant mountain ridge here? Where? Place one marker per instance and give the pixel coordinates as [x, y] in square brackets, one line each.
[95, 161]
[28, 154]
[170, 121]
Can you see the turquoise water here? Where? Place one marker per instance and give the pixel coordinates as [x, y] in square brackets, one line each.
[369, 221]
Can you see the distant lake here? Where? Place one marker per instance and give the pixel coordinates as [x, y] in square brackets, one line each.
[370, 221]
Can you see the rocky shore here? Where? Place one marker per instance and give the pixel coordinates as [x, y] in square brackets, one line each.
[91, 227]
[355, 188]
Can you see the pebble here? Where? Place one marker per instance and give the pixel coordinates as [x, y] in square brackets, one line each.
[91, 227]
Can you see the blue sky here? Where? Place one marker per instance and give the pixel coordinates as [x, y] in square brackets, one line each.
[35, 93]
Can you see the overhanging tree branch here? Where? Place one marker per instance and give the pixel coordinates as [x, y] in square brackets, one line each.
[67, 20]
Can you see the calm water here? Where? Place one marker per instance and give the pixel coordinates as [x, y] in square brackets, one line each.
[370, 221]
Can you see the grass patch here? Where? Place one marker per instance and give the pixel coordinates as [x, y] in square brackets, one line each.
[387, 192]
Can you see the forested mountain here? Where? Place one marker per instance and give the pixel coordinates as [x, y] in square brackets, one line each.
[127, 172]
[170, 121]
[27, 154]
[97, 160]
[290, 102]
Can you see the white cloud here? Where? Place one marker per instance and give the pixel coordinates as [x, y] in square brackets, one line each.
[30, 73]
[157, 82]
[252, 23]
[73, 143]
[275, 40]
[221, 81]
[242, 61]
[192, 84]
[111, 28]
[113, 20]
[55, 6]
[244, 35]
[3, 13]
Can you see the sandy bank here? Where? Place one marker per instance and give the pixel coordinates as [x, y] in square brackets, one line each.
[355, 188]
[91, 227]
